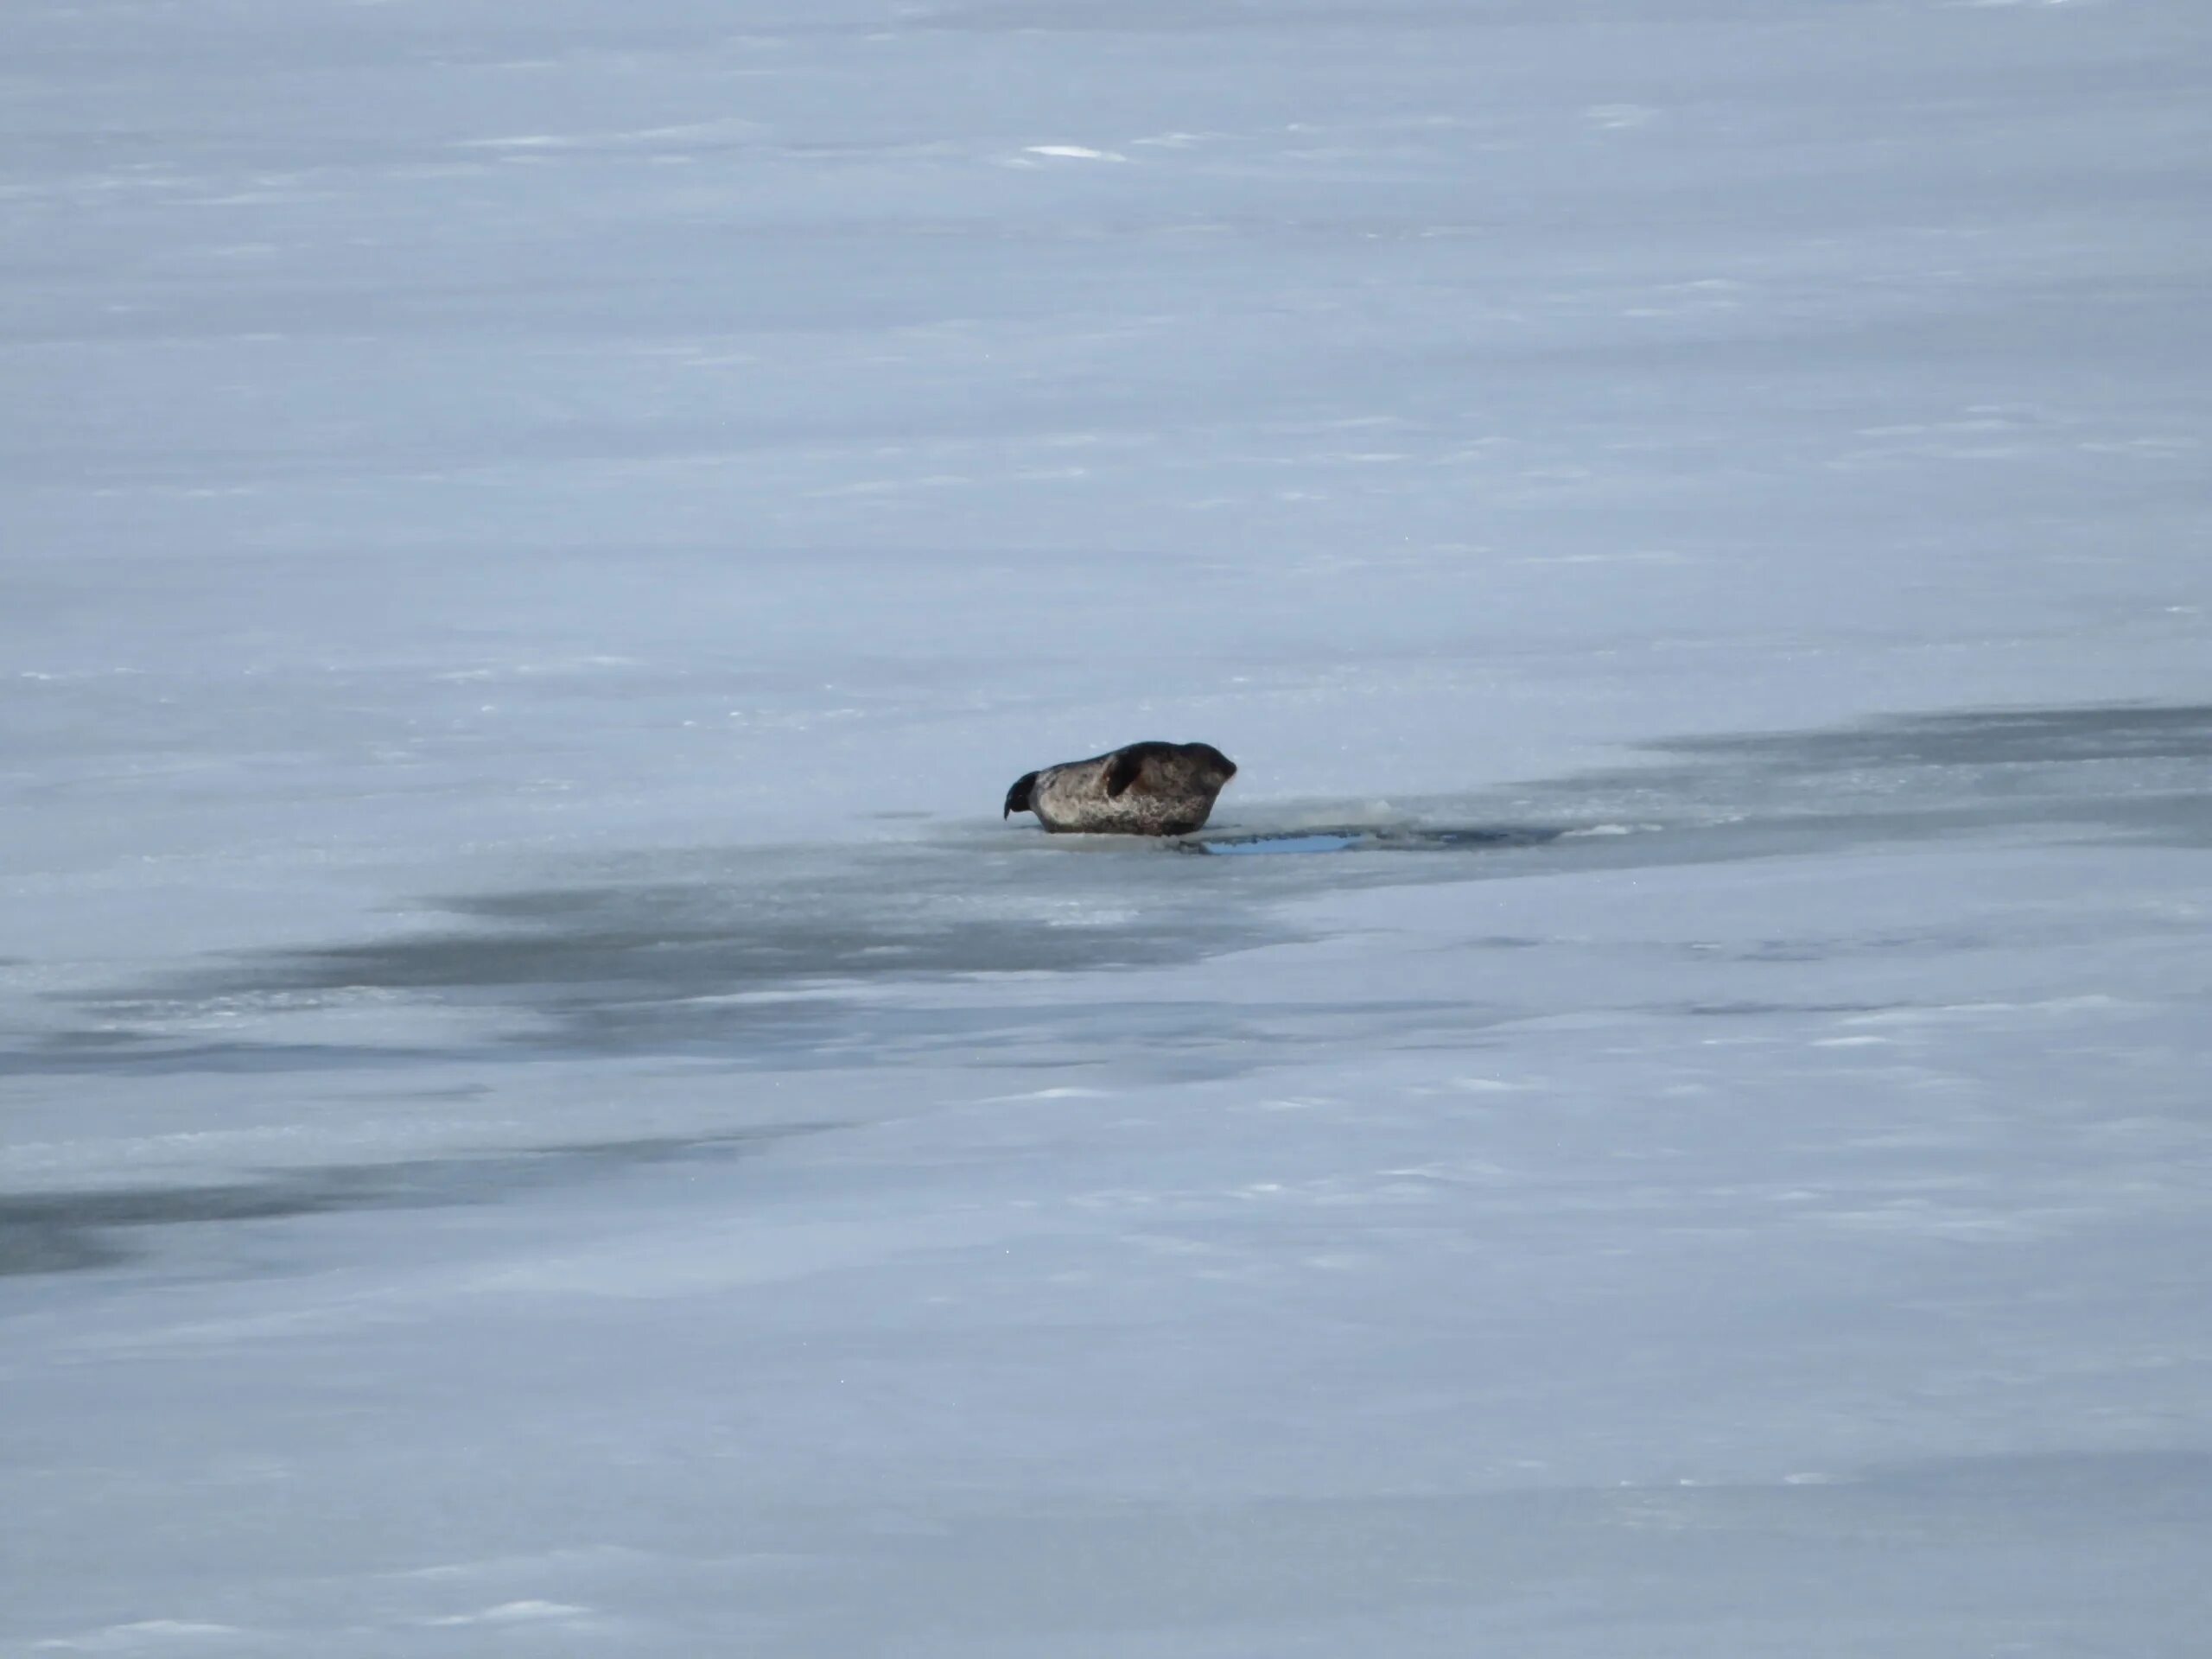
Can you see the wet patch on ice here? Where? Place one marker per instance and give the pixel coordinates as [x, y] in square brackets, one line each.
[154, 1047]
[55, 1232]
[2141, 770]
[798, 956]
[1982, 739]
[1319, 842]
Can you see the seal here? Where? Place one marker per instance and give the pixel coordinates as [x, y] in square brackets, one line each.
[1146, 789]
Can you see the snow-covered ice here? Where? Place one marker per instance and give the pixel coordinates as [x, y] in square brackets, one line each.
[544, 1111]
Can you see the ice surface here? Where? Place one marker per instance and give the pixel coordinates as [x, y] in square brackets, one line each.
[546, 1113]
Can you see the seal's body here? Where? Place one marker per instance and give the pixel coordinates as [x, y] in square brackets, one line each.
[1147, 789]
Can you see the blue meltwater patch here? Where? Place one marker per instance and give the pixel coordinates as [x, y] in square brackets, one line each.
[1383, 840]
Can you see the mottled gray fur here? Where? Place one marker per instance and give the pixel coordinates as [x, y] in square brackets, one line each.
[1147, 789]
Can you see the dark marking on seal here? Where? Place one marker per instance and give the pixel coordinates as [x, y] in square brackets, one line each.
[1121, 771]
[1145, 789]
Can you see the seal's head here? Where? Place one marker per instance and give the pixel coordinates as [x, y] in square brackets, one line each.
[1017, 798]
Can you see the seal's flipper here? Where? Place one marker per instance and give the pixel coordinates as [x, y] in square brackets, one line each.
[1122, 771]
[1017, 798]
